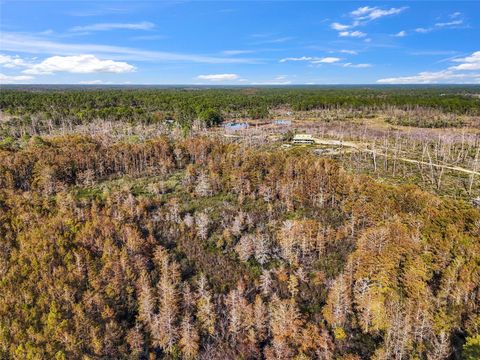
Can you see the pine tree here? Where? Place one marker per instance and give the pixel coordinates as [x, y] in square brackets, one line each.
[205, 308]
[189, 338]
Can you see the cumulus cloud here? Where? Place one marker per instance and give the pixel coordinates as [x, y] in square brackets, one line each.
[450, 75]
[219, 77]
[471, 62]
[144, 25]
[313, 59]
[356, 33]
[79, 64]
[8, 61]
[401, 34]
[372, 13]
[8, 79]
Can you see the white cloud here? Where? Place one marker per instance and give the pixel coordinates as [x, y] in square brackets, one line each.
[356, 33]
[441, 25]
[38, 45]
[362, 16]
[8, 79]
[401, 34]
[326, 60]
[351, 52]
[219, 77]
[450, 75]
[359, 66]
[144, 25]
[423, 30]
[361, 11]
[449, 23]
[443, 76]
[80, 64]
[372, 13]
[339, 27]
[455, 14]
[8, 61]
[313, 59]
[471, 62]
[303, 58]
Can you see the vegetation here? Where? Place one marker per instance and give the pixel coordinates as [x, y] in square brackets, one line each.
[197, 248]
[39, 111]
[131, 228]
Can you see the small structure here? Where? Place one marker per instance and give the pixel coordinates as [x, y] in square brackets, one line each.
[282, 122]
[234, 126]
[303, 139]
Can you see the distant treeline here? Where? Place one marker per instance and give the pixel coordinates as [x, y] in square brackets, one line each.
[185, 105]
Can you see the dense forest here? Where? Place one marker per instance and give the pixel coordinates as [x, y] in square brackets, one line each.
[57, 106]
[198, 248]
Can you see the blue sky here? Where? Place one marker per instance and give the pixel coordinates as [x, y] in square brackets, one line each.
[239, 42]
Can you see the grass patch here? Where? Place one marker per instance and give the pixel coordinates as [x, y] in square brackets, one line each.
[150, 186]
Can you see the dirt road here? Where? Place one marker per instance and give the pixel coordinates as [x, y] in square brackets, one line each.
[364, 147]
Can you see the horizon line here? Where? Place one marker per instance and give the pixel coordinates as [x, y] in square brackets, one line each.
[239, 85]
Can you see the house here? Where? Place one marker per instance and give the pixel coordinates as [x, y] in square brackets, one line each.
[300, 139]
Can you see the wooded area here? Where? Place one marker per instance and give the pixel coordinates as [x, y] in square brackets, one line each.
[132, 226]
[199, 249]
[40, 110]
